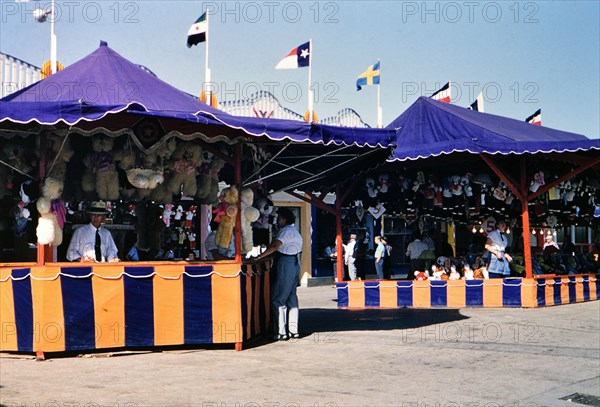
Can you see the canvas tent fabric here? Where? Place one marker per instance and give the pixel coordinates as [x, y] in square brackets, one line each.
[430, 128]
[104, 84]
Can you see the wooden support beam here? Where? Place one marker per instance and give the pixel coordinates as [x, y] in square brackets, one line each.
[508, 180]
[313, 200]
[589, 164]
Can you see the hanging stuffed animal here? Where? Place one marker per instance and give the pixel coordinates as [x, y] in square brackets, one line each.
[52, 212]
[229, 196]
[189, 216]
[260, 228]
[101, 174]
[184, 161]
[166, 215]
[208, 181]
[249, 215]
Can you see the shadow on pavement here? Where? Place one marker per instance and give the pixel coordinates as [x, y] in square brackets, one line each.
[313, 320]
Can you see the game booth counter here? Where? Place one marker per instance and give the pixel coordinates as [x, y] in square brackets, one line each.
[465, 169]
[156, 156]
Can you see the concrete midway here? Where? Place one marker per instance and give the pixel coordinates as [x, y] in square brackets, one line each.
[379, 357]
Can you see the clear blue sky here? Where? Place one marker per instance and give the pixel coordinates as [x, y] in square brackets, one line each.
[523, 55]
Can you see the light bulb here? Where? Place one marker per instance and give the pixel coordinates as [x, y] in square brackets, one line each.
[474, 230]
[508, 231]
[533, 231]
[480, 230]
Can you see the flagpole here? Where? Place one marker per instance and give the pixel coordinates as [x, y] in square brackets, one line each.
[310, 97]
[53, 63]
[206, 68]
[379, 111]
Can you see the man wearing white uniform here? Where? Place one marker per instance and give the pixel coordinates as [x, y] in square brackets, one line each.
[287, 246]
[349, 257]
[92, 243]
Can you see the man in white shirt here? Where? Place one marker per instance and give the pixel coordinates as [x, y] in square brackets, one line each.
[92, 243]
[413, 251]
[287, 246]
[349, 259]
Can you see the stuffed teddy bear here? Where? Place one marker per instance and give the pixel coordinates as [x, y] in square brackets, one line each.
[208, 181]
[52, 213]
[185, 159]
[161, 160]
[58, 154]
[101, 173]
[226, 216]
[249, 214]
[15, 156]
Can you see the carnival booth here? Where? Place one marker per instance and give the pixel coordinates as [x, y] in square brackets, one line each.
[103, 129]
[462, 170]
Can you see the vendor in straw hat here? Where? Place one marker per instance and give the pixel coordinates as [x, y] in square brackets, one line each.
[92, 243]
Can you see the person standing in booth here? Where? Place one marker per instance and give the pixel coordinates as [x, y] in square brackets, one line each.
[92, 243]
[496, 244]
[349, 259]
[379, 255]
[287, 247]
[360, 253]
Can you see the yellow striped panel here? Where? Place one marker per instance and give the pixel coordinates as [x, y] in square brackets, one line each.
[226, 309]
[421, 294]
[564, 290]
[528, 293]
[457, 293]
[356, 294]
[388, 294]
[48, 314]
[549, 291]
[492, 292]
[109, 307]
[8, 326]
[168, 304]
[579, 289]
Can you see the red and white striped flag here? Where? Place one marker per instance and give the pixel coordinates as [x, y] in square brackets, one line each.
[535, 118]
[443, 95]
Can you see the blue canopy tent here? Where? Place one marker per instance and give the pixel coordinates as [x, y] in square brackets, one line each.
[105, 93]
[432, 131]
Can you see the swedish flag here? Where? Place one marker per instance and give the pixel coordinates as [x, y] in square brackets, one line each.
[369, 77]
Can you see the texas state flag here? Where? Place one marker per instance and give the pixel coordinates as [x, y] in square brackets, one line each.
[299, 57]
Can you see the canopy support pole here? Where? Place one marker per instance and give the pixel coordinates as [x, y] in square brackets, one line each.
[238, 218]
[45, 253]
[525, 222]
[338, 232]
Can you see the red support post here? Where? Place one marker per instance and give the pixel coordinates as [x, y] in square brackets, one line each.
[525, 221]
[238, 218]
[45, 253]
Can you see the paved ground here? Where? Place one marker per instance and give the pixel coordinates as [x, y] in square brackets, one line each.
[421, 358]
